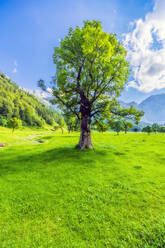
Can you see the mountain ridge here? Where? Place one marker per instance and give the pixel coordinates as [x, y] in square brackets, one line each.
[153, 106]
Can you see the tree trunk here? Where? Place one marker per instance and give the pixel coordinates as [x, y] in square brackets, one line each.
[85, 135]
[85, 132]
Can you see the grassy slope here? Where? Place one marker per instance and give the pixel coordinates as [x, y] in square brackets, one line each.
[54, 196]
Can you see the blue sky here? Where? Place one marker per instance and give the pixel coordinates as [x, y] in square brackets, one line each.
[31, 29]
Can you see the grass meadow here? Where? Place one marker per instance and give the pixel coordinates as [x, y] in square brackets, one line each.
[53, 196]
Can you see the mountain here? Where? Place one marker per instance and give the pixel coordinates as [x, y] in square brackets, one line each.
[16, 102]
[129, 104]
[153, 107]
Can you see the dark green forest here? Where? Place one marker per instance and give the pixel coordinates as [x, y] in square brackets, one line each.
[15, 102]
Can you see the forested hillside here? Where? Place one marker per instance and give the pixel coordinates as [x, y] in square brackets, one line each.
[15, 102]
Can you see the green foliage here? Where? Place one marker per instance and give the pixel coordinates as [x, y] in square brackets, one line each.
[155, 127]
[89, 62]
[162, 129]
[61, 124]
[117, 126]
[147, 129]
[127, 125]
[136, 129]
[101, 126]
[72, 123]
[126, 117]
[3, 121]
[131, 113]
[91, 71]
[15, 102]
[14, 123]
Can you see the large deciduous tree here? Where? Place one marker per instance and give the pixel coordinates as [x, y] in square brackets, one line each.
[91, 70]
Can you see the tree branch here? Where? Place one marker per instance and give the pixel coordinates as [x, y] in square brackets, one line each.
[101, 91]
[68, 106]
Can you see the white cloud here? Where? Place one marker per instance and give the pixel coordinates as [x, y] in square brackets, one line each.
[15, 67]
[39, 93]
[49, 90]
[44, 96]
[145, 44]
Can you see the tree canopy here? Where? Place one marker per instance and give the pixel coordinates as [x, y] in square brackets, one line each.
[147, 129]
[91, 71]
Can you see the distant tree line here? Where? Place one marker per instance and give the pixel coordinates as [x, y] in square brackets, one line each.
[125, 125]
[155, 128]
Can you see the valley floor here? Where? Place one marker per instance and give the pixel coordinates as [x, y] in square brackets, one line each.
[53, 196]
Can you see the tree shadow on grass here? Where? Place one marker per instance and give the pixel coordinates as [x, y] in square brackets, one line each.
[14, 163]
[46, 137]
[66, 136]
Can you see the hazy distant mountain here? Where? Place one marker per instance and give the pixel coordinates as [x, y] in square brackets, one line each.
[153, 106]
[127, 105]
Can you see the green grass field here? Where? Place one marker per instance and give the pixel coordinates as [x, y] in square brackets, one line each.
[53, 196]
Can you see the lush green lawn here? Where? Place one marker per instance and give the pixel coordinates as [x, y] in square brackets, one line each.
[54, 196]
